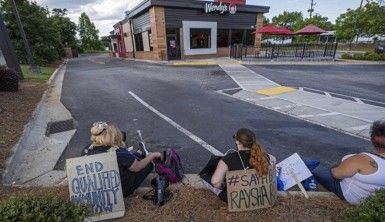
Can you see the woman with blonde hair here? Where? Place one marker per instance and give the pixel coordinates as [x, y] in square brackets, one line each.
[133, 167]
[249, 154]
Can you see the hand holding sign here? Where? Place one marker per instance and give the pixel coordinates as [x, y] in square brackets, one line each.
[293, 169]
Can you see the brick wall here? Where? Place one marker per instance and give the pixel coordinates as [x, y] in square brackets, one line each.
[259, 24]
[158, 30]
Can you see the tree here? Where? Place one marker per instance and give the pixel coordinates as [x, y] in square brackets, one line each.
[368, 21]
[291, 20]
[66, 27]
[318, 20]
[88, 33]
[43, 32]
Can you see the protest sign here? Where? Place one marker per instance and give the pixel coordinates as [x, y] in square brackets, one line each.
[293, 165]
[95, 180]
[248, 191]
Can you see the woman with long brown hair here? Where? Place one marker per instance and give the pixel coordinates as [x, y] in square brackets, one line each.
[249, 154]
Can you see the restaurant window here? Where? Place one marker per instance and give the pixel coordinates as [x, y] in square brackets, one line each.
[200, 38]
[249, 38]
[223, 37]
[236, 36]
[139, 42]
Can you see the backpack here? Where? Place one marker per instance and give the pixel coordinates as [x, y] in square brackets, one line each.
[171, 168]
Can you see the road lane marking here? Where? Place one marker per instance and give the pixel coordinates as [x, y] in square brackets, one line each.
[329, 114]
[358, 100]
[205, 145]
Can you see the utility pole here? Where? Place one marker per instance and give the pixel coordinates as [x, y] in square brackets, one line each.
[33, 67]
[8, 50]
[311, 10]
[355, 24]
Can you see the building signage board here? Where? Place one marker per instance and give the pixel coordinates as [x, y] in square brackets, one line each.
[220, 8]
[232, 2]
[248, 191]
[95, 181]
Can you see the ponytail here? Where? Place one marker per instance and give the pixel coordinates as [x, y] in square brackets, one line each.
[258, 159]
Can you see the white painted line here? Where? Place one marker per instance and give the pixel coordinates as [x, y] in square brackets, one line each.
[179, 127]
[359, 128]
[327, 94]
[329, 114]
[267, 98]
[276, 108]
[358, 100]
[305, 116]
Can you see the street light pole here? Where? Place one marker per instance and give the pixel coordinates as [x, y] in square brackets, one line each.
[34, 68]
[8, 50]
[355, 24]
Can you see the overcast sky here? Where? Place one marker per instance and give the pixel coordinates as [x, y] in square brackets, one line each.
[105, 13]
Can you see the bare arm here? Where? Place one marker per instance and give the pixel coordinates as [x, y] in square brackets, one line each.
[348, 167]
[219, 174]
[141, 164]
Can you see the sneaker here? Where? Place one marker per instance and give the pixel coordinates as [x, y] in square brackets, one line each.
[143, 149]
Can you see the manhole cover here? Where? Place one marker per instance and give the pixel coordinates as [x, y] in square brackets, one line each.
[59, 126]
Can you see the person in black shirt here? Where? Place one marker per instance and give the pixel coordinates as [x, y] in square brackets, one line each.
[133, 167]
[250, 154]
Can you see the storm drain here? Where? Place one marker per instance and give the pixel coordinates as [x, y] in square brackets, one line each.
[231, 91]
[60, 126]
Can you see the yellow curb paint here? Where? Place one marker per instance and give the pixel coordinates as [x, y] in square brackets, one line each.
[275, 90]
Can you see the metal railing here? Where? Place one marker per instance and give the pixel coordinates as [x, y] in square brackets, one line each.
[276, 51]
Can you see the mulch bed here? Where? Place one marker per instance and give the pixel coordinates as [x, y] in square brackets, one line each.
[16, 109]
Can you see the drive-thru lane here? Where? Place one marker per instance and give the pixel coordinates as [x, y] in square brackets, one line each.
[96, 88]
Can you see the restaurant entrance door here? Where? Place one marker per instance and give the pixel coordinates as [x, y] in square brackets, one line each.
[173, 44]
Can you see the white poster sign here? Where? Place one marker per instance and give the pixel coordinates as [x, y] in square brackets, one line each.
[95, 180]
[293, 165]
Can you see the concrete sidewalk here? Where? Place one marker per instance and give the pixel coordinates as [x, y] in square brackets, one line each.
[36, 154]
[343, 115]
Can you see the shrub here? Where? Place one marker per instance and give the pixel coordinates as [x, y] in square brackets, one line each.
[41, 208]
[372, 209]
[9, 81]
[372, 56]
[359, 56]
[346, 56]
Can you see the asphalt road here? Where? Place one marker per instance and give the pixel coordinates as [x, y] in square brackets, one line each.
[96, 88]
[362, 81]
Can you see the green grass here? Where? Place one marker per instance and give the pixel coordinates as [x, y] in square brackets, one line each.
[45, 74]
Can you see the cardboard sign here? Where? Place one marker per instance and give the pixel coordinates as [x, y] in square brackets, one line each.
[95, 180]
[248, 191]
[293, 164]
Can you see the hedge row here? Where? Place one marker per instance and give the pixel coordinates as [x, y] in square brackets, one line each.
[372, 56]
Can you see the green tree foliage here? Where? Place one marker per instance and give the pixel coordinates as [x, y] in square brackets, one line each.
[66, 27]
[44, 32]
[88, 33]
[367, 21]
[291, 20]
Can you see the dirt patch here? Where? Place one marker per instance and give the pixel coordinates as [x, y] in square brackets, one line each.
[16, 109]
[190, 204]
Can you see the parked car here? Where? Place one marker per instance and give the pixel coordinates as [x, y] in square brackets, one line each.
[380, 48]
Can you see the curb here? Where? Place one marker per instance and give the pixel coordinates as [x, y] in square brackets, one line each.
[16, 150]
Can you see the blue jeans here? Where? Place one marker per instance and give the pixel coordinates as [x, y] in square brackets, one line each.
[324, 176]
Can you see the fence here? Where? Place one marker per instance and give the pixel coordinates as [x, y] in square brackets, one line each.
[276, 51]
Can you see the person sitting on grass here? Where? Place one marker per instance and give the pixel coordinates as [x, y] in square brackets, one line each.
[358, 175]
[134, 167]
[249, 154]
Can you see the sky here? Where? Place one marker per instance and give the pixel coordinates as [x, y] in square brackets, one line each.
[105, 13]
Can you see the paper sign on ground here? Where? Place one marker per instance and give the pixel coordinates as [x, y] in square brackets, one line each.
[293, 163]
[248, 191]
[95, 180]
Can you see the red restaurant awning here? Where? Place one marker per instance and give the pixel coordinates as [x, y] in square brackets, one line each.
[310, 30]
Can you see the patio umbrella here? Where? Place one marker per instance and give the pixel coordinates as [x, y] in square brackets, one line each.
[310, 30]
[274, 30]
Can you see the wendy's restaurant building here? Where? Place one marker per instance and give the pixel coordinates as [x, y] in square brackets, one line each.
[186, 29]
